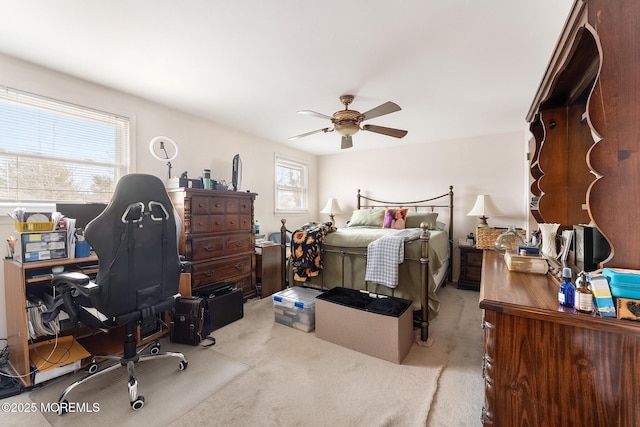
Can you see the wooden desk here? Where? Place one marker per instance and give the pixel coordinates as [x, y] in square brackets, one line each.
[545, 365]
[35, 278]
[269, 269]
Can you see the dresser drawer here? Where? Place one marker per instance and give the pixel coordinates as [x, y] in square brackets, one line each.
[238, 243]
[221, 270]
[214, 223]
[202, 205]
[211, 247]
[474, 258]
[472, 273]
[204, 248]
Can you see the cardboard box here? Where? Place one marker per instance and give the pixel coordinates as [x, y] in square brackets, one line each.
[43, 246]
[56, 357]
[602, 295]
[359, 327]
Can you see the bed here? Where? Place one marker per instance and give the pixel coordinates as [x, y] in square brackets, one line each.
[346, 258]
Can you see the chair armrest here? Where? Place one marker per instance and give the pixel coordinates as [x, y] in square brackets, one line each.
[81, 282]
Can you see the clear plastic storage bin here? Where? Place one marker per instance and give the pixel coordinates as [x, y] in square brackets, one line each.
[296, 307]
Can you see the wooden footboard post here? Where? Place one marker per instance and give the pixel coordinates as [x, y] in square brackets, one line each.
[424, 281]
[450, 267]
[283, 251]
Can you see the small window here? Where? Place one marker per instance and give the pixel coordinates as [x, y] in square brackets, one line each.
[53, 151]
[291, 185]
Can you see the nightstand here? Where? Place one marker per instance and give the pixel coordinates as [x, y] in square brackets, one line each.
[269, 269]
[470, 268]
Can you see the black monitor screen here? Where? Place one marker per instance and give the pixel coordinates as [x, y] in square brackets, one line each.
[83, 213]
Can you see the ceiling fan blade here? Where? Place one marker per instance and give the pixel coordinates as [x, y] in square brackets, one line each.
[325, 130]
[314, 114]
[346, 142]
[397, 133]
[381, 110]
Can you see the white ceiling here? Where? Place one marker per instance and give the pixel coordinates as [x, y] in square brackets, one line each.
[458, 68]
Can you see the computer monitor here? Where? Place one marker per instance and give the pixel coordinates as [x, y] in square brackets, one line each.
[83, 213]
[236, 178]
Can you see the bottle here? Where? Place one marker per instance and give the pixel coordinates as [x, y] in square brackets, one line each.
[256, 225]
[584, 297]
[508, 241]
[206, 179]
[566, 293]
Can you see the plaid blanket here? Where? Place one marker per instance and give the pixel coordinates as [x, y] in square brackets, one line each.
[385, 254]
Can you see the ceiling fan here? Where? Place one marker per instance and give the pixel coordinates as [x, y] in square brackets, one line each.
[347, 122]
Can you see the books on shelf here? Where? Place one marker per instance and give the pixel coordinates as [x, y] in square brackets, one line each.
[262, 243]
[526, 263]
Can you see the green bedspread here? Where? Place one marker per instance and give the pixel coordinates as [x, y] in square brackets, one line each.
[356, 240]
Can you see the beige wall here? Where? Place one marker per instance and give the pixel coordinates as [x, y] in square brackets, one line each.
[486, 164]
[494, 165]
[201, 143]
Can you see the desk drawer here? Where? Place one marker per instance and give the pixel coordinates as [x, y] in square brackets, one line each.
[221, 270]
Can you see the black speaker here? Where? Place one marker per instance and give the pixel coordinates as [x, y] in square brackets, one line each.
[224, 305]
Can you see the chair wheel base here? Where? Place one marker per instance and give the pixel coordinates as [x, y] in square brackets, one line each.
[138, 403]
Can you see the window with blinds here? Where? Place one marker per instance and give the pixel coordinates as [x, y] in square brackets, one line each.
[53, 151]
[291, 185]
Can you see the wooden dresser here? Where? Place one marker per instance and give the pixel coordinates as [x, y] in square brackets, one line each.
[585, 164]
[217, 236]
[550, 366]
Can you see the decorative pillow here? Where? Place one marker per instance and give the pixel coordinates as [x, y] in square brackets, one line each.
[372, 218]
[395, 218]
[415, 219]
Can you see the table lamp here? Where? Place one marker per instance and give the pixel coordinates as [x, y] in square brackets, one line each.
[332, 207]
[484, 208]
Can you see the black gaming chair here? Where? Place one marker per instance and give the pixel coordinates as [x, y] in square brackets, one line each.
[136, 241]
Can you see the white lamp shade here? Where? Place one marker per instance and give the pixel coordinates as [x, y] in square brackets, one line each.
[484, 207]
[332, 207]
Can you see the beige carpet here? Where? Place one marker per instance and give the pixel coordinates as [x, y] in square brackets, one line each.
[168, 392]
[295, 379]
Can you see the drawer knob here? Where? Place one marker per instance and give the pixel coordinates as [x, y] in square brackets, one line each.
[238, 243]
[209, 248]
[218, 205]
[217, 222]
[232, 222]
[239, 266]
[209, 273]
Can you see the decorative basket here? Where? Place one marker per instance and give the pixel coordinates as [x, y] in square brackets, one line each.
[486, 237]
[26, 227]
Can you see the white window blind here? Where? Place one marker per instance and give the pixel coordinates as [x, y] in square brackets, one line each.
[54, 151]
[291, 185]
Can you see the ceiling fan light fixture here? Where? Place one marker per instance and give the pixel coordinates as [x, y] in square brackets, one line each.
[347, 122]
[347, 128]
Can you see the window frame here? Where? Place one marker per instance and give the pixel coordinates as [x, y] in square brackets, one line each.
[124, 126]
[289, 162]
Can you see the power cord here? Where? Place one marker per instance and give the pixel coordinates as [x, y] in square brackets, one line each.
[9, 384]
